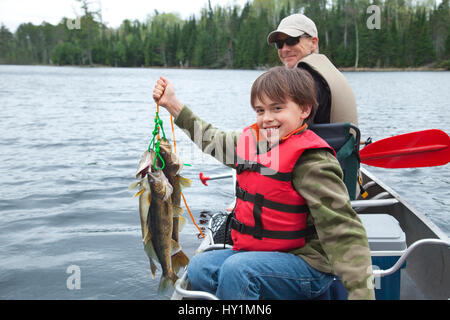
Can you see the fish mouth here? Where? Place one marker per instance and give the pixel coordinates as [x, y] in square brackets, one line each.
[145, 163]
[143, 172]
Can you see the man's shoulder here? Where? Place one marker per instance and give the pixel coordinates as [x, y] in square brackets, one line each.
[318, 62]
[315, 57]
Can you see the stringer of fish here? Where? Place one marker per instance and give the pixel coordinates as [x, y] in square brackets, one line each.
[156, 195]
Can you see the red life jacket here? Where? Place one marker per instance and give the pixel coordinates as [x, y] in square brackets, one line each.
[270, 215]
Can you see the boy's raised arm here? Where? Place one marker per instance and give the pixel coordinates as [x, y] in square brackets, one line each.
[164, 95]
[211, 140]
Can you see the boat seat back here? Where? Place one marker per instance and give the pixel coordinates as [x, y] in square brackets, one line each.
[344, 138]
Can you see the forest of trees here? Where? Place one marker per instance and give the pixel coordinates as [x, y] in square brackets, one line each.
[411, 34]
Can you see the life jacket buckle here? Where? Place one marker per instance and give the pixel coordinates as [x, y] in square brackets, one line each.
[240, 193]
[237, 225]
[247, 165]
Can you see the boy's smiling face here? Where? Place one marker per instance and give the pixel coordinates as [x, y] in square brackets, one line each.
[277, 119]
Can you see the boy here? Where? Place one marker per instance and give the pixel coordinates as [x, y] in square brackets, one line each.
[293, 227]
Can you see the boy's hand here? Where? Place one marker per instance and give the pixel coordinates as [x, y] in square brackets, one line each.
[164, 94]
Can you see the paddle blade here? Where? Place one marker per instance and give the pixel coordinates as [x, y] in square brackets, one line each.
[426, 148]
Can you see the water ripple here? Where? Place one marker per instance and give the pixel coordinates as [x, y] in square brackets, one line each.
[68, 157]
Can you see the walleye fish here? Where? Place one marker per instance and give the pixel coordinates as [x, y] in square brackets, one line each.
[160, 224]
[173, 163]
[144, 194]
[144, 205]
[172, 169]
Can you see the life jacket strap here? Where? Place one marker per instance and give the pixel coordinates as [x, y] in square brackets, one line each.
[262, 169]
[257, 211]
[264, 233]
[246, 196]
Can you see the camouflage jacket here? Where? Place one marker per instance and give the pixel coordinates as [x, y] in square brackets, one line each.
[340, 245]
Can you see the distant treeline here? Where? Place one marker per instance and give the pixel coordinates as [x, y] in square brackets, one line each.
[411, 34]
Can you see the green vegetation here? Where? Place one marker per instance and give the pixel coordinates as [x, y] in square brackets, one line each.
[412, 34]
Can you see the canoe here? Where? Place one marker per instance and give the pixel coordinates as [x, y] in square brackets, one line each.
[426, 275]
[412, 265]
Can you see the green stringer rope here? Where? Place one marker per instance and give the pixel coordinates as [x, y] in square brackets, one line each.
[153, 144]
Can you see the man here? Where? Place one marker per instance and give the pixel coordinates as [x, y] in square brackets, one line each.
[298, 46]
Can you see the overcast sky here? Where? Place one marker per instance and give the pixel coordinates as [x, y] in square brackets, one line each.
[15, 12]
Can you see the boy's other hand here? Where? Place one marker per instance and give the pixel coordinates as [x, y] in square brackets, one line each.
[164, 94]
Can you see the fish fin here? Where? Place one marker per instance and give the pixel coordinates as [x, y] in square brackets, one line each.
[167, 192]
[153, 268]
[185, 182]
[149, 198]
[141, 191]
[166, 282]
[175, 247]
[134, 185]
[181, 223]
[177, 210]
[147, 238]
[179, 260]
[150, 251]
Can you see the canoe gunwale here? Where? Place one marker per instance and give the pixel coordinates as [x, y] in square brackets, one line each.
[431, 280]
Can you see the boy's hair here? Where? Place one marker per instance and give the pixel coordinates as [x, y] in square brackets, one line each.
[282, 83]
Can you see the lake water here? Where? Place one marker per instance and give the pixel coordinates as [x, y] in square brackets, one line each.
[71, 139]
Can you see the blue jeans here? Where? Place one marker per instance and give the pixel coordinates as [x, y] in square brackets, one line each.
[232, 275]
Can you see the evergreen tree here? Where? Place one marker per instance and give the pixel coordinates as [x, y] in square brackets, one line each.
[66, 53]
[413, 33]
[6, 45]
[424, 51]
[187, 42]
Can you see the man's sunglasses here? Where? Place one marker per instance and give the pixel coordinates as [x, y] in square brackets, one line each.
[291, 41]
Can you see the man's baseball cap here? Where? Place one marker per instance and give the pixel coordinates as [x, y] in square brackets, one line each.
[294, 25]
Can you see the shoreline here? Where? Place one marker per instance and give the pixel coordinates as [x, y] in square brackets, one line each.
[342, 69]
[363, 69]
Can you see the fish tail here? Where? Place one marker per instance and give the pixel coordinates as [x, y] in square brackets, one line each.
[166, 282]
[179, 260]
